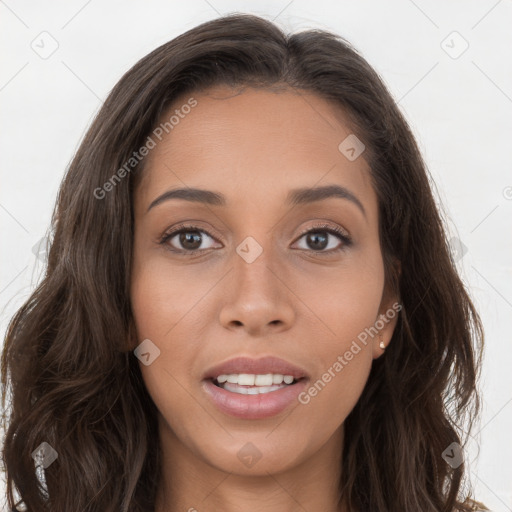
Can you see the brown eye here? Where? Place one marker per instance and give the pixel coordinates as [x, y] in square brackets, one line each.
[188, 240]
[322, 239]
[316, 240]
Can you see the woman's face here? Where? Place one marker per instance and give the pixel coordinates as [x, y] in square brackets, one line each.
[252, 284]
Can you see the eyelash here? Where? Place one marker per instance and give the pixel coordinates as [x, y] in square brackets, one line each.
[333, 230]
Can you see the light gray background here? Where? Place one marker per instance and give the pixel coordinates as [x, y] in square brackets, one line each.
[459, 108]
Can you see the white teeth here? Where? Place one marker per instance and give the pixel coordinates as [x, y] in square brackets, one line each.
[256, 390]
[248, 379]
[263, 380]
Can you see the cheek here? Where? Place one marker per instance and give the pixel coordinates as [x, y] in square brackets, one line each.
[344, 362]
[163, 304]
[344, 299]
[346, 304]
[163, 296]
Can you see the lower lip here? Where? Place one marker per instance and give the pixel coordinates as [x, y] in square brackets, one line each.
[254, 407]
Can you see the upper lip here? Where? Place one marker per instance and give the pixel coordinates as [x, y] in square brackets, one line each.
[259, 366]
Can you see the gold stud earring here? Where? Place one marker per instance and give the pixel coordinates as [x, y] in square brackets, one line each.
[381, 344]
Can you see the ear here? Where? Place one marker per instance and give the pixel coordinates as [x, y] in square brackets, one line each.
[387, 318]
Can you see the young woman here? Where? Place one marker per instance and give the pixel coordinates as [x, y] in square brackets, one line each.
[250, 302]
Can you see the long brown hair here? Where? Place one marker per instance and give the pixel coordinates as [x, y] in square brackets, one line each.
[69, 378]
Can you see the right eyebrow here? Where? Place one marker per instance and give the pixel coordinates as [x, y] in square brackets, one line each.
[191, 194]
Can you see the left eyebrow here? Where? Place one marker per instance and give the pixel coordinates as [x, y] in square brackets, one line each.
[310, 195]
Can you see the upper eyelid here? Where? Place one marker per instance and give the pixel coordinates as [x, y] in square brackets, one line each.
[193, 227]
[179, 229]
[323, 225]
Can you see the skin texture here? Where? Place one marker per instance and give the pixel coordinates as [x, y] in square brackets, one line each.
[253, 146]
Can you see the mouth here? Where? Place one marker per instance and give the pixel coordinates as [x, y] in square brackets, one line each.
[254, 384]
[246, 371]
[253, 389]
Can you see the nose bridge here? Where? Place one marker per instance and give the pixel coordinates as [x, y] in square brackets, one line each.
[254, 270]
[254, 267]
[257, 298]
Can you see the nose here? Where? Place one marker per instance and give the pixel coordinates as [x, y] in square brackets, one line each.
[257, 298]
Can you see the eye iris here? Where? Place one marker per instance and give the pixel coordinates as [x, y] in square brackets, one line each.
[315, 236]
[193, 237]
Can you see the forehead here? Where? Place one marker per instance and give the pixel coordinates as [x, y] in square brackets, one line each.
[250, 141]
